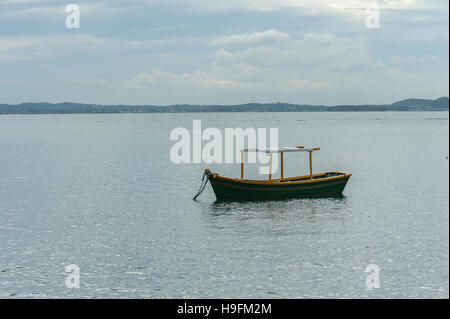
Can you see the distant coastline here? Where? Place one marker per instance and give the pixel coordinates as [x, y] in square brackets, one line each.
[440, 104]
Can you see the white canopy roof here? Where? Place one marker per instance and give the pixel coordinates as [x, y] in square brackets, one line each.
[281, 149]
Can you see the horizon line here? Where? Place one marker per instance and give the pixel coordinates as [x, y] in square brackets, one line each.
[245, 103]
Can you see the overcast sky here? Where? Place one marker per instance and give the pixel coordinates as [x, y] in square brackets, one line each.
[223, 51]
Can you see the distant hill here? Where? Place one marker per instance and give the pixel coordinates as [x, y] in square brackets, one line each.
[440, 104]
[422, 104]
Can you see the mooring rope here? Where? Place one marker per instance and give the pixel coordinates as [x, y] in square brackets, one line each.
[203, 185]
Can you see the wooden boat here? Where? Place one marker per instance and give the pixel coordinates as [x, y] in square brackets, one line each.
[312, 185]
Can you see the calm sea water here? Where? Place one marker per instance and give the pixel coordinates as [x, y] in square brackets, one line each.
[100, 191]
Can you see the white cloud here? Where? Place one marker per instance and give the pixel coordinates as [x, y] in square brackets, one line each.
[10, 43]
[196, 80]
[352, 7]
[268, 36]
[27, 9]
[186, 55]
[318, 63]
[346, 8]
[48, 47]
[290, 66]
[314, 50]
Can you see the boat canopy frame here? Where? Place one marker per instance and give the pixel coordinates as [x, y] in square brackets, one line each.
[280, 150]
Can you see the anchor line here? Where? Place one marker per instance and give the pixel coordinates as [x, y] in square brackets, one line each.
[203, 184]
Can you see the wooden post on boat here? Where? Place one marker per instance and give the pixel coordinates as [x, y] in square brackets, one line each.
[270, 168]
[281, 164]
[242, 164]
[310, 161]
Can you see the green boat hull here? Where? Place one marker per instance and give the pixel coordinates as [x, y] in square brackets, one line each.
[234, 189]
